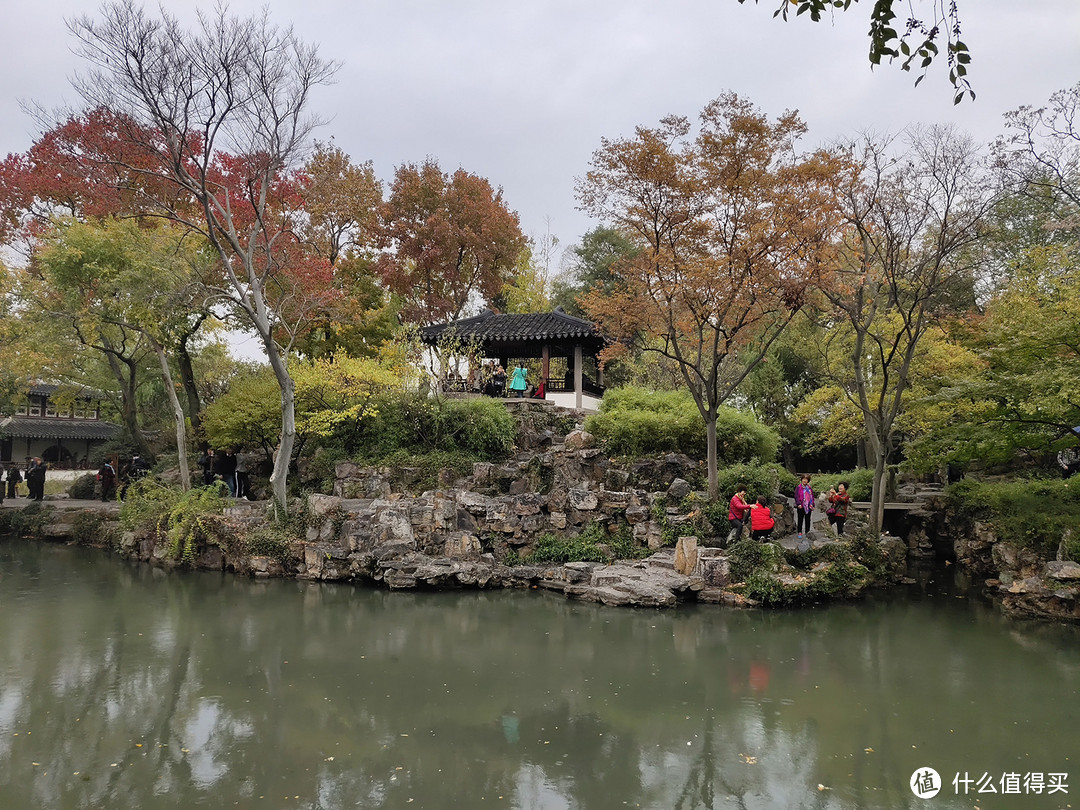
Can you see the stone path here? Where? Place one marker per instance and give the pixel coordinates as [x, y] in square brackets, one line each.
[62, 503]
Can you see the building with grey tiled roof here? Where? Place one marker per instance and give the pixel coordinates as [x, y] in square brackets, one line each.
[60, 429]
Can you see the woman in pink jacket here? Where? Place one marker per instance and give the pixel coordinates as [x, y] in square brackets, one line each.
[804, 505]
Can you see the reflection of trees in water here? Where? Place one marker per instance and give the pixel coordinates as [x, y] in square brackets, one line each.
[345, 696]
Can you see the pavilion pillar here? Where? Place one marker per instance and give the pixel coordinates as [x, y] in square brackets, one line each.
[545, 361]
[577, 376]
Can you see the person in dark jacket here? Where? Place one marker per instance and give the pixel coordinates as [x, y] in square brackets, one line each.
[106, 476]
[225, 466]
[35, 479]
[14, 478]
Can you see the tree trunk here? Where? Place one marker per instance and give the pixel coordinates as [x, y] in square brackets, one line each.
[178, 416]
[878, 493]
[191, 390]
[279, 477]
[710, 443]
[789, 457]
[125, 373]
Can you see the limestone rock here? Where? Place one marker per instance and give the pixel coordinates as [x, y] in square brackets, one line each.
[579, 440]
[686, 555]
[679, 489]
[1063, 570]
[582, 499]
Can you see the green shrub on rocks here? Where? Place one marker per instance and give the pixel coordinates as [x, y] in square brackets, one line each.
[89, 529]
[774, 576]
[748, 557]
[482, 428]
[183, 518]
[1038, 514]
[638, 422]
[594, 544]
[271, 540]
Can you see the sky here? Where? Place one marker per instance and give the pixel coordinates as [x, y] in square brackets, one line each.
[521, 92]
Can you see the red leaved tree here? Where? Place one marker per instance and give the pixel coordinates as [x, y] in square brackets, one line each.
[451, 240]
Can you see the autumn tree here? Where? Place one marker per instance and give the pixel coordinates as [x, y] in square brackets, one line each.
[341, 203]
[119, 277]
[911, 218]
[731, 227]
[451, 241]
[232, 88]
[919, 44]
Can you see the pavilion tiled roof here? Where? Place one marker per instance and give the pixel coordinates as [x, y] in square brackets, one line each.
[536, 326]
[30, 427]
[47, 389]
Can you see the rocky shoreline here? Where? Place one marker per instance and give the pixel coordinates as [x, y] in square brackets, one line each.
[479, 532]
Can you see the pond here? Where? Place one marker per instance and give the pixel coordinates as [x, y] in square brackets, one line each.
[123, 686]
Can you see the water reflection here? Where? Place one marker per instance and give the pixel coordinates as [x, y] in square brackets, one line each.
[121, 686]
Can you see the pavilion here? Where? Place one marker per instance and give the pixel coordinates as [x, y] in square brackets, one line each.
[564, 345]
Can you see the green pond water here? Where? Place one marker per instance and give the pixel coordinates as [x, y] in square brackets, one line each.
[123, 686]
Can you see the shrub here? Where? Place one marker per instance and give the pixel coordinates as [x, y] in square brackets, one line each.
[83, 488]
[184, 518]
[1035, 513]
[748, 557]
[482, 428]
[636, 422]
[271, 540]
[594, 544]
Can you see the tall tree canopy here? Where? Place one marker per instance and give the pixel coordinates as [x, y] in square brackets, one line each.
[220, 114]
[731, 227]
[911, 218]
[452, 240]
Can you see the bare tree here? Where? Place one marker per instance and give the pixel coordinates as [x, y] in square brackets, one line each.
[911, 217]
[221, 113]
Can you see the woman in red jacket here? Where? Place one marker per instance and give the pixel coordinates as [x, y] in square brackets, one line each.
[761, 521]
[840, 501]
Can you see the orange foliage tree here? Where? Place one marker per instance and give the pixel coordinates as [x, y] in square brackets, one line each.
[732, 226]
[452, 238]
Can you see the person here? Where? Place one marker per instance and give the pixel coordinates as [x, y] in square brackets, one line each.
[519, 380]
[243, 483]
[498, 382]
[541, 390]
[839, 501]
[106, 475]
[804, 505]
[35, 480]
[737, 510]
[206, 461]
[14, 478]
[226, 468]
[761, 521]
[138, 468]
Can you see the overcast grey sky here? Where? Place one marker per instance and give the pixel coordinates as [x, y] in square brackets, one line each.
[522, 91]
